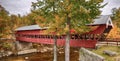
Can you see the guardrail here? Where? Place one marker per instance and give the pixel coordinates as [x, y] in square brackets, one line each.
[112, 39]
[6, 39]
[112, 43]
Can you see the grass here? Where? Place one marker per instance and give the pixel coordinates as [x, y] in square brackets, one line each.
[111, 48]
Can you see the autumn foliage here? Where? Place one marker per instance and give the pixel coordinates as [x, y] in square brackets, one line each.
[114, 33]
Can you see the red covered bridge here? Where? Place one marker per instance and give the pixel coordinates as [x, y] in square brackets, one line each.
[102, 26]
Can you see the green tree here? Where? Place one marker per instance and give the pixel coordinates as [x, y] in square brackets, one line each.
[116, 16]
[116, 13]
[63, 15]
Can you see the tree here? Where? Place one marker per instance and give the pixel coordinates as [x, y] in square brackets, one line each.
[114, 33]
[63, 15]
[3, 19]
[116, 16]
[29, 19]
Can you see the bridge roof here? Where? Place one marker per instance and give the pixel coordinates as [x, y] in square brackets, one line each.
[31, 27]
[101, 19]
[104, 19]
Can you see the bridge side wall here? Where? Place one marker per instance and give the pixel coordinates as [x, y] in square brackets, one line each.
[37, 36]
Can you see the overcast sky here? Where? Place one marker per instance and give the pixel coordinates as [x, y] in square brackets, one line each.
[111, 4]
[17, 6]
[23, 6]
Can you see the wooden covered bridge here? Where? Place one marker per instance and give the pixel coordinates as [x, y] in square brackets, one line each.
[101, 27]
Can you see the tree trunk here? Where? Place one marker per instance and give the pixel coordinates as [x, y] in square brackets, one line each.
[67, 43]
[67, 47]
[55, 48]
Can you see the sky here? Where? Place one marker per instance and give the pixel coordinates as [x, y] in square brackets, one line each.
[23, 6]
[17, 6]
[111, 4]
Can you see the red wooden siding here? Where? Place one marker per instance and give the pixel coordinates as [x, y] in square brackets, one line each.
[61, 42]
[37, 36]
[98, 30]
